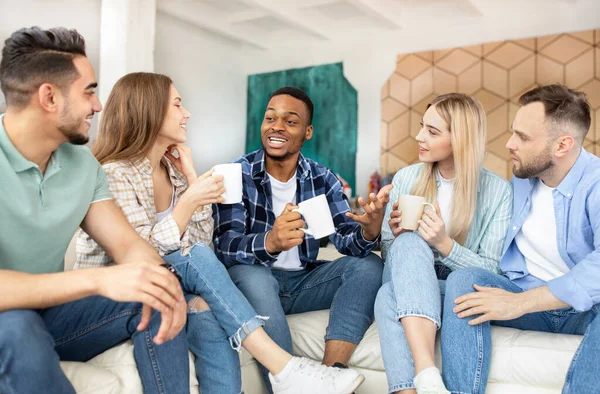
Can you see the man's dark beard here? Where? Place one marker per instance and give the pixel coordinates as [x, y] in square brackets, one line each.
[73, 136]
[536, 165]
[69, 128]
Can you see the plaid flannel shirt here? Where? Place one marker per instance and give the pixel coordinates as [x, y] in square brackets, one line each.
[241, 229]
[131, 186]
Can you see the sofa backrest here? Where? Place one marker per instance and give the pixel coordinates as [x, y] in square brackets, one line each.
[71, 256]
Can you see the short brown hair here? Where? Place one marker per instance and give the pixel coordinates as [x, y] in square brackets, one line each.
[32, 57]
[564, 108]
[132, 117]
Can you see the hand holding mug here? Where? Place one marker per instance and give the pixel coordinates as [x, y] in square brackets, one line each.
[207, 189]
[433, 230]
[395, 221]
[286, 233]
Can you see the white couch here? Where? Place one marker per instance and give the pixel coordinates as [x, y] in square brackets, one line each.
[523, 362]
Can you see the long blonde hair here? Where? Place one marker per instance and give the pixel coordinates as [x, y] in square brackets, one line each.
[132, 117]
[467, 122]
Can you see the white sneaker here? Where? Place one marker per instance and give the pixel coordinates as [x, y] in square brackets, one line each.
[429, 381]
[303, 375]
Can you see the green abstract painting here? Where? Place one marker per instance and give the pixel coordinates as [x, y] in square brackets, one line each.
[335, 118]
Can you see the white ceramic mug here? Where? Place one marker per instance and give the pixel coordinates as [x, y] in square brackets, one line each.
[317, 216]
[412, 208]
[232, 179]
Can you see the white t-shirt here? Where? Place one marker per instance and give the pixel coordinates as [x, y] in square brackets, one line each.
[444, 197]
[284, 193]
[537, 238]
[161, 215]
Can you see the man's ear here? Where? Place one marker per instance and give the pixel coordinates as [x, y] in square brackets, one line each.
[564, 144]
[48, 96]
[309, 132]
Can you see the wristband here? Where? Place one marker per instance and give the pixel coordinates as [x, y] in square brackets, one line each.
[173, 271]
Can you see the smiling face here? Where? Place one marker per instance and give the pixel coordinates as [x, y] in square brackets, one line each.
[285, 127]
[434, 138]
[79, 104]
[173, 130]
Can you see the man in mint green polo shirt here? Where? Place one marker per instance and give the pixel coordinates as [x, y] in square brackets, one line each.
[50, 186]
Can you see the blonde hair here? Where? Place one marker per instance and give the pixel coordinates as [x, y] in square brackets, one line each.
[132, 117]
[467, 122]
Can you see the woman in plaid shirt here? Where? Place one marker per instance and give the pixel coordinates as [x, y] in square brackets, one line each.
[152, 178]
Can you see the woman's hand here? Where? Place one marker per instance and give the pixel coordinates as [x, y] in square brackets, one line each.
[206, 189]
[433, 230]
[395, 221]
[181, 157]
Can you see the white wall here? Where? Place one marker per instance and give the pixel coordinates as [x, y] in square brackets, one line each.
[369, 63]
[82, 15]
[207, 72]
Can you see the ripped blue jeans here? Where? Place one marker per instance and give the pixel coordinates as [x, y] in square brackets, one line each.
[215, 336]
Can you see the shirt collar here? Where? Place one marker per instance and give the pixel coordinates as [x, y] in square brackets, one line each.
[259, 168]
[18, 162]
[143, 165]
[567, 186]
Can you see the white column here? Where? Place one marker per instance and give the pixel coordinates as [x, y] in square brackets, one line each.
[367, 72]
[127, 32]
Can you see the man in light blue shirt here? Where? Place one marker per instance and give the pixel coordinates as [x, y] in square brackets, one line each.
[551, 264]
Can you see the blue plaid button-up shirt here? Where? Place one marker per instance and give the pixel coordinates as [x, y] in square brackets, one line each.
[241, 229]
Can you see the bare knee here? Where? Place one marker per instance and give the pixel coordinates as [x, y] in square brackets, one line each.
[197, 304]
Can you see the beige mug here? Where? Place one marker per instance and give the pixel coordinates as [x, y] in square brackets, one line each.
[412, 208]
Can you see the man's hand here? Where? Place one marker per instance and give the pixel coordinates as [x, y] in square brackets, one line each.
[285, 233]
[152, 285]
[433, 230]
[181, 157]
[395, 221]
[371, 220]
[491, 303]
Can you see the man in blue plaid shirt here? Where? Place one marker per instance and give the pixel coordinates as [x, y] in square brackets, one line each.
[273, 262]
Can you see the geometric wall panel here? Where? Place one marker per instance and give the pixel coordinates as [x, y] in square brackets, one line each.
[496, 73]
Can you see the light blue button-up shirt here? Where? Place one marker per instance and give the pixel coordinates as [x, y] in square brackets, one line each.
[577, 213]
[483, 247]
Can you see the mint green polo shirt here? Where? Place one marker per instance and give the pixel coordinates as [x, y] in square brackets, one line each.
[39, 213]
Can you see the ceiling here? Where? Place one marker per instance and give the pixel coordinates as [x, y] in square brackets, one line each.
[265, 24]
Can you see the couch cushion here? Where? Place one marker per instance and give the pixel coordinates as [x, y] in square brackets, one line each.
[531, 358]
[308, 333]
[525, 358]
[91, 379]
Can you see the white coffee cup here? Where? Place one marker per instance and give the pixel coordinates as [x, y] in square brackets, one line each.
[317, 216]
[412, 208]
[232, 179]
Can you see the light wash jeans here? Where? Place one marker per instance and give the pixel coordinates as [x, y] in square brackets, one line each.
[466, 350]
[347, 286]
[33, 342]
[410, 288]
[215, 336]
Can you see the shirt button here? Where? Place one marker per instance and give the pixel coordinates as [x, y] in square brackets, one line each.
[514, 228]
[569, 195]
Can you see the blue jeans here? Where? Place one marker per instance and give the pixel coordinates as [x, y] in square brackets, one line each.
[347, 286]
[33, 342]
[215, 336]
[410, 288]
[466, 350]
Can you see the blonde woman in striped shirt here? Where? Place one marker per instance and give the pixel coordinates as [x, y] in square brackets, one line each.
[467, 229]
[152, 178]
